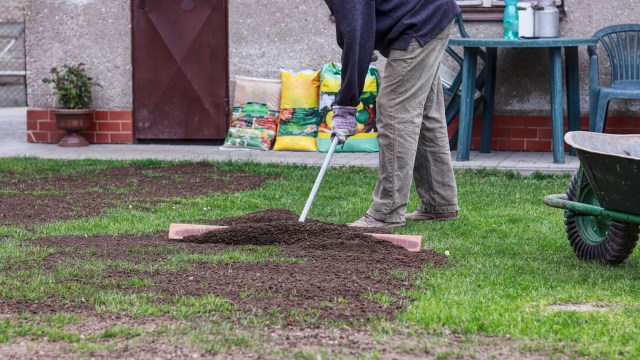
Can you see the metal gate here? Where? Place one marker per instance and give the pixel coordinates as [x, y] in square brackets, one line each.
[180, 67]
[13, 90]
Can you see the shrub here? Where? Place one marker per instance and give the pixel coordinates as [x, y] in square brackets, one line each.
[72, 86]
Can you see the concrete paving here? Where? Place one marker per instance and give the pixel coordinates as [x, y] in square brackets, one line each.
[13, 143]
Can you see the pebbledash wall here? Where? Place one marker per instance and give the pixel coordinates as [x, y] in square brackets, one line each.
[266, 35]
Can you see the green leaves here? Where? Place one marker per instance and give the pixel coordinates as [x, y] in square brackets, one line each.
[72, 86]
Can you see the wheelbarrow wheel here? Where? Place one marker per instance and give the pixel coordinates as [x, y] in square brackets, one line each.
[596, 237]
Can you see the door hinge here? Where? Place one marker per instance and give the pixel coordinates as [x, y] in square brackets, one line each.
[142, 4]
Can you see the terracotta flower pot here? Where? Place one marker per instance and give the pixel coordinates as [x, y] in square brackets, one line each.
[72, 121]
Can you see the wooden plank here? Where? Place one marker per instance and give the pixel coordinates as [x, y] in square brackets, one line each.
[178, 231]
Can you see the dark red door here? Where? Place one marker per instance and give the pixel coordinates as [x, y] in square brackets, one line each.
[180, 69]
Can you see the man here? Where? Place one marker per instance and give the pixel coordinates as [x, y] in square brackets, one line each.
[412, 131]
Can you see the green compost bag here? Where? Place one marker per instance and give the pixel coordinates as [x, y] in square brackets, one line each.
[253, 126]
[255, 113]
[367, 138]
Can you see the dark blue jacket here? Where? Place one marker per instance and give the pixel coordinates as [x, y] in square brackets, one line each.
[366, 25]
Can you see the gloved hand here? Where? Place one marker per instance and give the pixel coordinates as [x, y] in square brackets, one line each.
[344, 122]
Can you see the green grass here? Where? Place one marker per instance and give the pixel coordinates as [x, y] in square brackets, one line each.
[79, 280]
[509, 258]
[10, 330]
[50, 326]
[148, 304]
[383, 298]
[218, 337]
[245, 254]
[16, 254]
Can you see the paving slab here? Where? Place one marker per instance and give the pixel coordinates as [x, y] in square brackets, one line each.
[13, 143]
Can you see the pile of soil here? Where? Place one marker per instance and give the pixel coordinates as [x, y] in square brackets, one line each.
[281, 227]
[341, 272]
[89, 194]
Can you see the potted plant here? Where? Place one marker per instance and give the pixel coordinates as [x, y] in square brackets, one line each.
[73, 87]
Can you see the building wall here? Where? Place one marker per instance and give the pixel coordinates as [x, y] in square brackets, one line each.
[94, 32]
[521, 80]
[12, 10]
[268, 34]
[265, 35]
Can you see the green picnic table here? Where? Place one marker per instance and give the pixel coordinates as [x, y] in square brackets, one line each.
[469, 67]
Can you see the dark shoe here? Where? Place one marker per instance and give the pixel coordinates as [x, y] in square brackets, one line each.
[420, 216]
[371, 222]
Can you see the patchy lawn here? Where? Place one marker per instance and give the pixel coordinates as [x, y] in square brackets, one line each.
[86, 269]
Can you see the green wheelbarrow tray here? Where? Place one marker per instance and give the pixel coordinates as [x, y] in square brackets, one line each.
[612, 166]
[602, 202]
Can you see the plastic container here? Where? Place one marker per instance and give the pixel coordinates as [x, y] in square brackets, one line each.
[525, 20]
[547, 22]
[511, 20]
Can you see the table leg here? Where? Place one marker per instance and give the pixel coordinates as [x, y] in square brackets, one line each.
[555, 82]
[488, 100]
[465, 124]
[572, 73]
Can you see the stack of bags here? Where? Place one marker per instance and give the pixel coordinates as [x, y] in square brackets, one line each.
[296, 112]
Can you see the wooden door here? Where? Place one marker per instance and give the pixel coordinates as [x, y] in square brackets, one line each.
[180, 69]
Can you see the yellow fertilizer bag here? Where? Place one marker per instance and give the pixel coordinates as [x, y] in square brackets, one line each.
[367, 138]
[298, 119]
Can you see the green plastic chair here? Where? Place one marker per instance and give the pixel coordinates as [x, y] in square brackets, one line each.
[452, 82]
[622, 45]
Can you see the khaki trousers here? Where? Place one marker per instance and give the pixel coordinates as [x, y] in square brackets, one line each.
[412, 133]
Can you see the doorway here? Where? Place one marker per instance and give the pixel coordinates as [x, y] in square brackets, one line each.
[180, 70]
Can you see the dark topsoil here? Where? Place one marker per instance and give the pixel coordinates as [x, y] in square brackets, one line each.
[340, 270]
[341, 273]
[88, 194]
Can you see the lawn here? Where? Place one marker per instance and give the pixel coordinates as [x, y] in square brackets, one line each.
[510, 270]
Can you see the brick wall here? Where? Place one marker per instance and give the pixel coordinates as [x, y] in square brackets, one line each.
[107, 127]
[510, 133]
[533, 133]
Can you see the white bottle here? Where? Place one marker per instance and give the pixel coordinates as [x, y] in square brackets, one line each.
[526, 19]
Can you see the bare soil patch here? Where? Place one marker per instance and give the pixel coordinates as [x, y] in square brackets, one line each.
[582, 307]
[344, 343]
[340, 273]
[9, 308]
[288, 343]
[341, 267]
[88, 194]
[142, 348]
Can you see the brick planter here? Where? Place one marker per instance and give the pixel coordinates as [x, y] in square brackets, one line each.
[107, 127]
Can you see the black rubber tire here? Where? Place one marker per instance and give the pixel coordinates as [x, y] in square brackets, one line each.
[617, 244]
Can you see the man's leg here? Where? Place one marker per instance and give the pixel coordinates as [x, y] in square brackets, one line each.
[433, 169]
[407, 81]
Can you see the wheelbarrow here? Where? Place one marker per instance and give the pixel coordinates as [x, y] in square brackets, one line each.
[602, 203]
